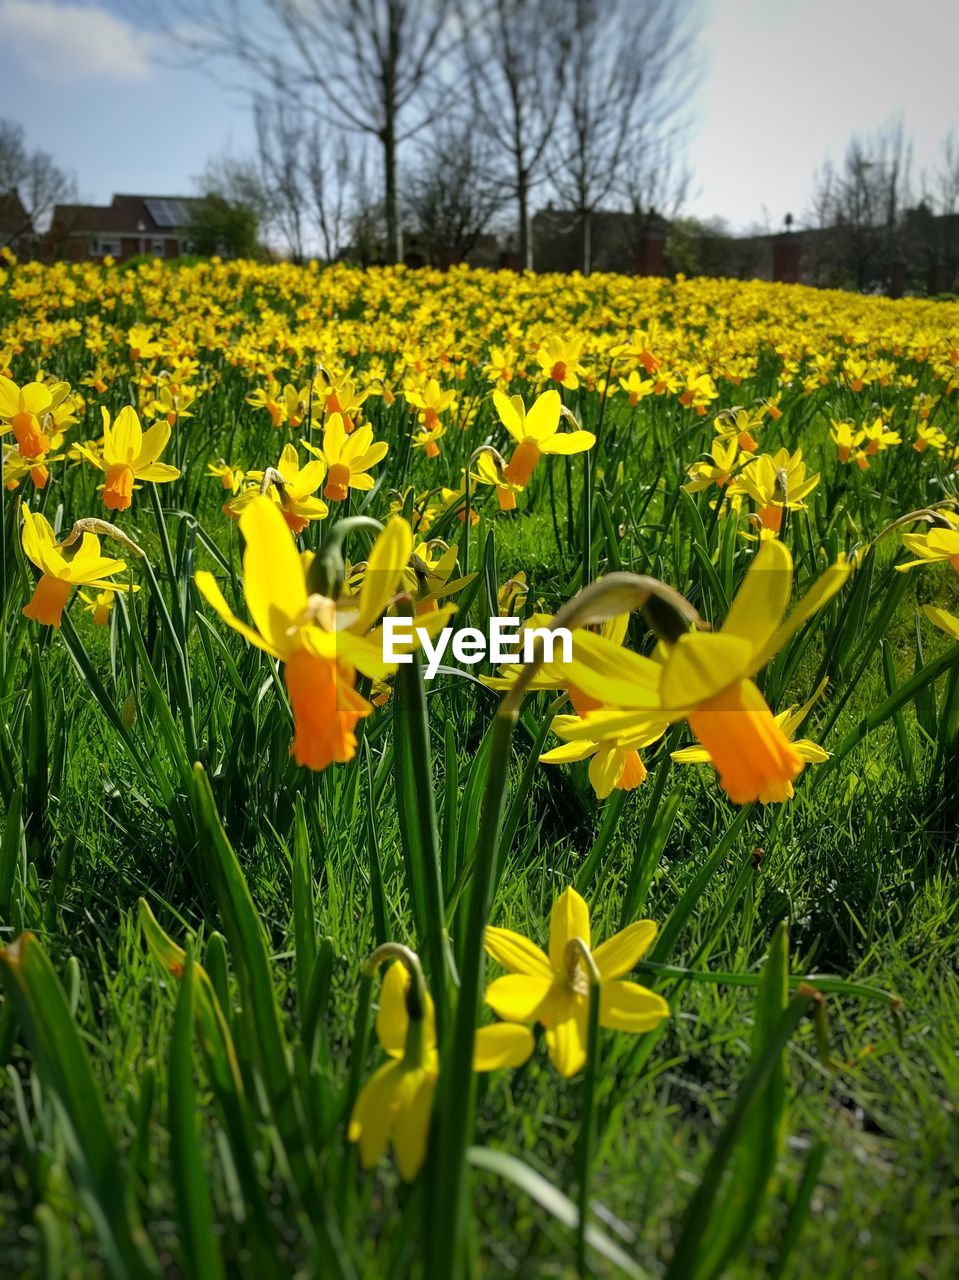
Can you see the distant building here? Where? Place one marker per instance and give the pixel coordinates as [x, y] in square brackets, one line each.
[156, 225]
[16, 226]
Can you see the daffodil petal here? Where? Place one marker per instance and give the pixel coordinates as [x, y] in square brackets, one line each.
[373, 1113]
[412, 1124]
[516, 953]
[273, 579]
[568, 919]
[505, 1044]
[626, 1006]
[209, 589]
[761, 601]
[566, 1041]
[620, 953]
[520, 997]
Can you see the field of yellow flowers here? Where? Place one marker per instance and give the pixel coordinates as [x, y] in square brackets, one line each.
[327, 957]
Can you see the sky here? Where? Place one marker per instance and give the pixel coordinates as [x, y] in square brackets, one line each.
[780, 85]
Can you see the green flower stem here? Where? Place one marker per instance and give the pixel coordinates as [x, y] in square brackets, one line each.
[457, 1100]
[579, 952]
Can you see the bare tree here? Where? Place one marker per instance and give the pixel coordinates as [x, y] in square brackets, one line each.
[515, 55]
[450, 197]
[280, 134]
[946, 177]
[36, 181]
[372, 67]
[627, 65]
[655, 183]
[366, 218]
[859, 210]
[328, 170]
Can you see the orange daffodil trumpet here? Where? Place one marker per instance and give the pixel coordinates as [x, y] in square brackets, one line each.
[536, 432]
[130, 454]
[321, 643]
[63, 569]
[705, 678]
[553, 988]
[789, 721]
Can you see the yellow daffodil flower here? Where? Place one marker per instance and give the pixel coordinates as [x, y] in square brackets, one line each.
[129, 454]
[553, 989]
[395, 1104]
[614, 763]
[231, 478]
[270, 398]
[558, 357]
[703, 475]
[291, 488]
[848, 441]
[321, 645]
[705, 678]
[929, 437]
[536, 433]
[16, 468]
[341, 396]
[431, 402]
[490, 471]
[430, 575]
[141, 344]
[934, 546]
[637, 388]
[100, 606]
[62, 568]
[348, 457]
[699, 391]
[776, 483]
[741, 426]
[512, 595]
[30, 413]
[877, 437]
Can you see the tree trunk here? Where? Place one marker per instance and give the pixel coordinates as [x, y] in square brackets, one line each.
[525, 247]
[394, 225]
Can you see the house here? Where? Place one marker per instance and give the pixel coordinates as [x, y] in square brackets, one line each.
[16, 225]
[130, 225]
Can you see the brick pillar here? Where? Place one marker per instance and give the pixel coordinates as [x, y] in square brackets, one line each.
[787, 257]
[649, 253]
[897, 278]
[938, 278]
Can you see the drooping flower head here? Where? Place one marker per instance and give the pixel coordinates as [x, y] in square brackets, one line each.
[62, 568]
[322, 645]
[706, 679]
[395, 1104]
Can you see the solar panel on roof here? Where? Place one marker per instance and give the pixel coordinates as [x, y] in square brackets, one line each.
[166, 213]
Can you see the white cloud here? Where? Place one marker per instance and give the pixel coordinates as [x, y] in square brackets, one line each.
[81, 42]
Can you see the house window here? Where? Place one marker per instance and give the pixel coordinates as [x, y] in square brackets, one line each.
[158, 247]
[101, 247]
